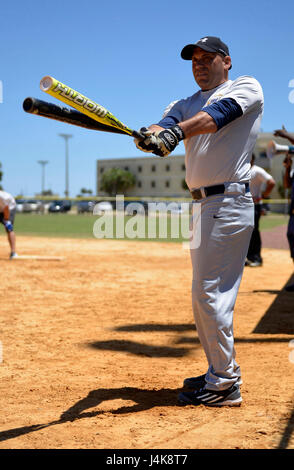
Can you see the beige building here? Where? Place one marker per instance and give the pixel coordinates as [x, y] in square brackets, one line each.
[155, 176]
[164, 177]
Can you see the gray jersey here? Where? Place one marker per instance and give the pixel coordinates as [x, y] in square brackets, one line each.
[225, 155]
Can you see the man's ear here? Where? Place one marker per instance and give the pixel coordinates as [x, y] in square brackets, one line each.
[228, 62]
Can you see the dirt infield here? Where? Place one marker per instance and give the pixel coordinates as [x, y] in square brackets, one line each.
[96, 346]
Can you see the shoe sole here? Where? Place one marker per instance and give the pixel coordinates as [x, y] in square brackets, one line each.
[236, 402]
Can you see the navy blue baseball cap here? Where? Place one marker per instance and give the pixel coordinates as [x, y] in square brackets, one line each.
[207, 43]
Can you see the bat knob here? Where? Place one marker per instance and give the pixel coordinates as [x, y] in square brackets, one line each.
[46, 83]
[27, 104]
[138, 135]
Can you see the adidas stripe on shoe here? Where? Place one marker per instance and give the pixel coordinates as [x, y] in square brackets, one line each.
[229, 397]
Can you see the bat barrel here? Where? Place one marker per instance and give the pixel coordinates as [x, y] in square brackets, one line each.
[80, 102]
[84, 105]
[66, 115]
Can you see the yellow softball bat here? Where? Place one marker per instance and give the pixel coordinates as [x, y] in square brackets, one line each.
[64, 93]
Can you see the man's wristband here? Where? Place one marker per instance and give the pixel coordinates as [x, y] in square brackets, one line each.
[179, 132]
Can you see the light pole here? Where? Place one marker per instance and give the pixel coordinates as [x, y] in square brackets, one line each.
[43, 163]
[66, 137]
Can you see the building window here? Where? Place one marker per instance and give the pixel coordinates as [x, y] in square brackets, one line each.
[167, 167]
[139, 169]
[126, 168]
[153, 168]
[167, 184]
[139, 184]
[153, 184]
[101, 170]
[183, 167]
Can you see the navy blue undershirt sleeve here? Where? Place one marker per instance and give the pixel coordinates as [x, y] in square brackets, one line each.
[168, 122]
[224, 111]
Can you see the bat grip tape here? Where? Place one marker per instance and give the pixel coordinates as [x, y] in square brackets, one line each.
[137, 135]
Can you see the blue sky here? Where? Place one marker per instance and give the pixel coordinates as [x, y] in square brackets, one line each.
[125, 56]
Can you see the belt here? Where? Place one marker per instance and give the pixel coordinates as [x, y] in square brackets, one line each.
[211, 191]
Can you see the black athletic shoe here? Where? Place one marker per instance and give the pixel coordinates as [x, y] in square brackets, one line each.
[229, 397]
[200, 382]
[290, 288]
[253, 264]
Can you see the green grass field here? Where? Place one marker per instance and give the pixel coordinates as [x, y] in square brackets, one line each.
[81, 226]
[55, 225]
[271, 221]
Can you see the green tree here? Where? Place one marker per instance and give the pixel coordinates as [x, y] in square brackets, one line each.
[47, 192]
[86, 191]
[117, 181]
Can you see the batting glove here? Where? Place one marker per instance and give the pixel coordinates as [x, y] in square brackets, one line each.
[143, 144]
[160, 143]
[8, 225]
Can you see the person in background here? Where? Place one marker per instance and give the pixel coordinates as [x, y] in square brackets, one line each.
[289, 184]
[7, 214]
[259, 178]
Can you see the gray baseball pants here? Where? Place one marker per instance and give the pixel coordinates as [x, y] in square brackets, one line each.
[226, 222]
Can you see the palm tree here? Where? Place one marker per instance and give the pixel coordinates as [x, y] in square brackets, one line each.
[117, 181]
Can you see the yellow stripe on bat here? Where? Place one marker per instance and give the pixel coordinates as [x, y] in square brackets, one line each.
[64, 93]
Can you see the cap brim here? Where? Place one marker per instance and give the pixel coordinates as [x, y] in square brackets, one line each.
[188, 50]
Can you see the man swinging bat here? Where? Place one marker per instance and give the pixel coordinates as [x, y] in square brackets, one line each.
[219, 126]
